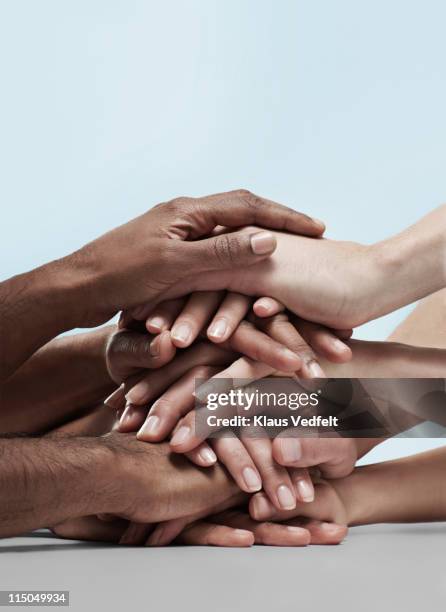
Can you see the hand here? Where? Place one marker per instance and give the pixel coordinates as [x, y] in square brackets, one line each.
[173, 385]
[325, 281]
[232, 528]
[250, 460]
[167, 248]
[329, 505]
[145, 483]
[128, 353]
[226, 314]
[345, 284]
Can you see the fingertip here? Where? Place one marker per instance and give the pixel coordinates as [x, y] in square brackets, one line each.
[287, 361]
[155, 325]
[182, 335]
[260, 508]
[267, 307]
[338, 352]
[151, 429]
[305, 490]
[327, 533]
[130, 418]
[244, 537]
[319, 225]
[218, 331]
[207, 456]
[302, 535]
[166, 340]
[263, 243]
[182, 440]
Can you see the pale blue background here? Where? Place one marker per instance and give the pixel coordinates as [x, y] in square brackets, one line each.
[336, 107]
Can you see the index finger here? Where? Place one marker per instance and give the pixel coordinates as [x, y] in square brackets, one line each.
[241, 207]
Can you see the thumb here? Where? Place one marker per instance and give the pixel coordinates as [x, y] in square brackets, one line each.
[228, 251]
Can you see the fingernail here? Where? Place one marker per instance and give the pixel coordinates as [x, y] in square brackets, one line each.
[127, 414]
[156, 537]
[264, 304]
[217, 329]
[338, 345]
[320, 223]
[294, 529]
[150, 426]
[251, 479]
[208, 456]
[329, 527]
[286, 498]
[315, 370]
[156, 324]
[154, 347]
[138, 393]
[182, 333]
[114, 398]
[263, 243]
[242, 532]
[289, 355]
[305, 490]
[180, 436]
[261, 507]
[291, 450]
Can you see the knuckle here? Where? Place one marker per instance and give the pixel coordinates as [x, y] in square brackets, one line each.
[251, 199]
[237, 455]
[280, 320]
[312, 451]
[230, 453]
[277, 324]
[242, 192]
[177, 206]
[226, 248]
[268, 470]
[201, 372]
[263, 532]
[245, 325]
[162, 405]
[179, 203]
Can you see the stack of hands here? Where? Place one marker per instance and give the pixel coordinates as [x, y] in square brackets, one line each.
[206, 293]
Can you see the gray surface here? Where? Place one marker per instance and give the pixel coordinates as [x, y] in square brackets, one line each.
[384, 567]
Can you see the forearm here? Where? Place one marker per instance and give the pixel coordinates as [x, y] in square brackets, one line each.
[389, 360]
[66, 375]
[46, 481]
[404, 402]
[412, 489]
[36, 307]
[410, 265]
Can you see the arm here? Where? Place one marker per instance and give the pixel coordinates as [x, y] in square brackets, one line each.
[389, 360]
[412, 489]
[65, 376]
[48, 481]
[384, 492]
[135, 264]
[371, 360]
[345, 284]
[44, 482]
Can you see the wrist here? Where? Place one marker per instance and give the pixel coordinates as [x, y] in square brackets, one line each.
[119, 475]
[49, 480]
[84, 286]
[364, 498]
[62, 289]
[410, 265]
